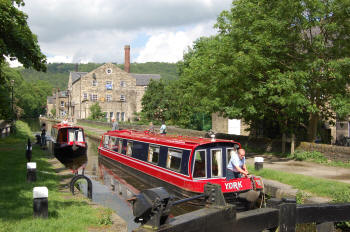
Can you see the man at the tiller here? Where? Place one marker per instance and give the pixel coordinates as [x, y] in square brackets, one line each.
[236, 168]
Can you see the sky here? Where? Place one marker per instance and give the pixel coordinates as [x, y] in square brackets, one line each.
[82, 31]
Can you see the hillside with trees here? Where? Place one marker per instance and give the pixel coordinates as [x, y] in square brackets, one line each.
[57, 73]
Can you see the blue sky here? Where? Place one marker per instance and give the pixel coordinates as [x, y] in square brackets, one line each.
[97, 30]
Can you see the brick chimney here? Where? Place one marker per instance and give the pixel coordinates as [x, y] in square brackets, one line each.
[127, 58]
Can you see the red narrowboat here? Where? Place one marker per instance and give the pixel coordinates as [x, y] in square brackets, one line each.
[67, 141]
[181, 164]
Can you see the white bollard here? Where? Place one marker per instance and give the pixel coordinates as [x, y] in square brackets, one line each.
[258, 163]
[40, 202]
[31, 172]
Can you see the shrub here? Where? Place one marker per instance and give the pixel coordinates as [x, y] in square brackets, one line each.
[310, 155]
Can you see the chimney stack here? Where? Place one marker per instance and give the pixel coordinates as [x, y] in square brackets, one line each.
[127, 58]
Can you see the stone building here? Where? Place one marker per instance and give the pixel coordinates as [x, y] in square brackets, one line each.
[117, 91]
[228, 126]
[60, 104]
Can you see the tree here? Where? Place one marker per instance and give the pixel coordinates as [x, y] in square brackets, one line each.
[95, 111]
[283, 61]
[16, 38]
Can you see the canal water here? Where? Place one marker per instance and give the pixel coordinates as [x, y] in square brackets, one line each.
[111, 186]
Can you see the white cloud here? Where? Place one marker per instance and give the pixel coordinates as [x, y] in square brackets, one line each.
[97, 30]
[168, 46]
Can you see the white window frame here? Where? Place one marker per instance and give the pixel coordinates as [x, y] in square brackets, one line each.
[94, 97]
[122, 116]
[211, 164]
[122, 98]
[205, 163]
[229, 148]
[168, 161]
[85, 96]
[122, 84]
[150, 157]
[111, 83]
[109, 97]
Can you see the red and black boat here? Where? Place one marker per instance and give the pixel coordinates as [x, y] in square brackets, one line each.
[181, 164]
[67, 141]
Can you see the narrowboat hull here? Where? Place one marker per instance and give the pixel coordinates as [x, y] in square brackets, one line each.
[69, 151]
[241, 202]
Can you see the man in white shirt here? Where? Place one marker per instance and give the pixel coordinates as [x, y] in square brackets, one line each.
[236, 167]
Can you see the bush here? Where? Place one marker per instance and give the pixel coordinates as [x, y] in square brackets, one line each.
[22, 130]
[310, 155]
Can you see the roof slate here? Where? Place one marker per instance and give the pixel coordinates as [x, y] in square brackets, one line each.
[76, 75]
[144, 79]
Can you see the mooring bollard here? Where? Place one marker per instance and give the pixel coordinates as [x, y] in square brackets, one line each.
[29, 151]
[40, 203]
[31, 172]
[258, 163]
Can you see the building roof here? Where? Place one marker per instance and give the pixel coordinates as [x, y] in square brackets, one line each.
[51, 99]
[144, 79]
[76, 75]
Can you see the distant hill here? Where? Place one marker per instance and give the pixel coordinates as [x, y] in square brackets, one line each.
[57, 73]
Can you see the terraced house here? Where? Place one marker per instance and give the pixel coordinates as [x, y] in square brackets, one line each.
[117, 91]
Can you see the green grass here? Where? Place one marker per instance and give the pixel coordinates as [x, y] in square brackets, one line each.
[317, 157]
[95, 126]
[338, 191]
[16, 203]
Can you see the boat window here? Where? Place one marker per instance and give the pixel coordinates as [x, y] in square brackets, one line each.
[129, 148]
[80, 135]
[199, 169]
[153, 154]
[106, 141]
[120, 146]
[62, 136]
[216, 163]
[114, 144]
[174, 159]
[230, 152]
[71, 135]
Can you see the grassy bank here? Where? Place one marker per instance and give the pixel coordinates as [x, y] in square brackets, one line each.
[338, 191]
[66, 213]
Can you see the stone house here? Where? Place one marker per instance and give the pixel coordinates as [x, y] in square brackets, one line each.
[117, 91]
[228, 126]
[60, 104]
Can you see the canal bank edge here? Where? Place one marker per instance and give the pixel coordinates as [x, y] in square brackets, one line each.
[118, 224]
[272, 188]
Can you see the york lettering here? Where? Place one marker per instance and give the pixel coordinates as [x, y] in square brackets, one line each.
[233, 185]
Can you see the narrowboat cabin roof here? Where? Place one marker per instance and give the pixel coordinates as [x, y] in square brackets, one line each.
[60, 125]
[170, 140]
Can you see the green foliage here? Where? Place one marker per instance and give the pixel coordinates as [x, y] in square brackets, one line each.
[105, 218]
[29, 97]
[22, 130]
[96, 112]
[310, 155]
[301, 196]
[16, 38]
[277, 61]
[53, 112]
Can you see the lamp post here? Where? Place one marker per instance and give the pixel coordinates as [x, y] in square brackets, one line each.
[12, 111]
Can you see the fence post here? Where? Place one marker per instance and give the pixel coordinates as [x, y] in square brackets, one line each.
[287, 217]
[292, 144]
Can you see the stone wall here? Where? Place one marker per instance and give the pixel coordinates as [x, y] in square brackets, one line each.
[332, 152]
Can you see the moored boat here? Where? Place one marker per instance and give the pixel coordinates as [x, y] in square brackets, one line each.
[67, 141]
[181, 164]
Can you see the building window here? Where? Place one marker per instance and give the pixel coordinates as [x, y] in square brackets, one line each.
[122, 84]
[94, 97]
[122, 116]
[108, 97]
[122, 98]
[111, 114]
[174, 159]
[94, 82]
[118, 116]
[109, 85]
[85, 96]
[62, 103]
[108, 70]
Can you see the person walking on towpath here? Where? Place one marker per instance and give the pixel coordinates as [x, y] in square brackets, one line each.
[236, 168]
[162, 129]
[115, 125]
